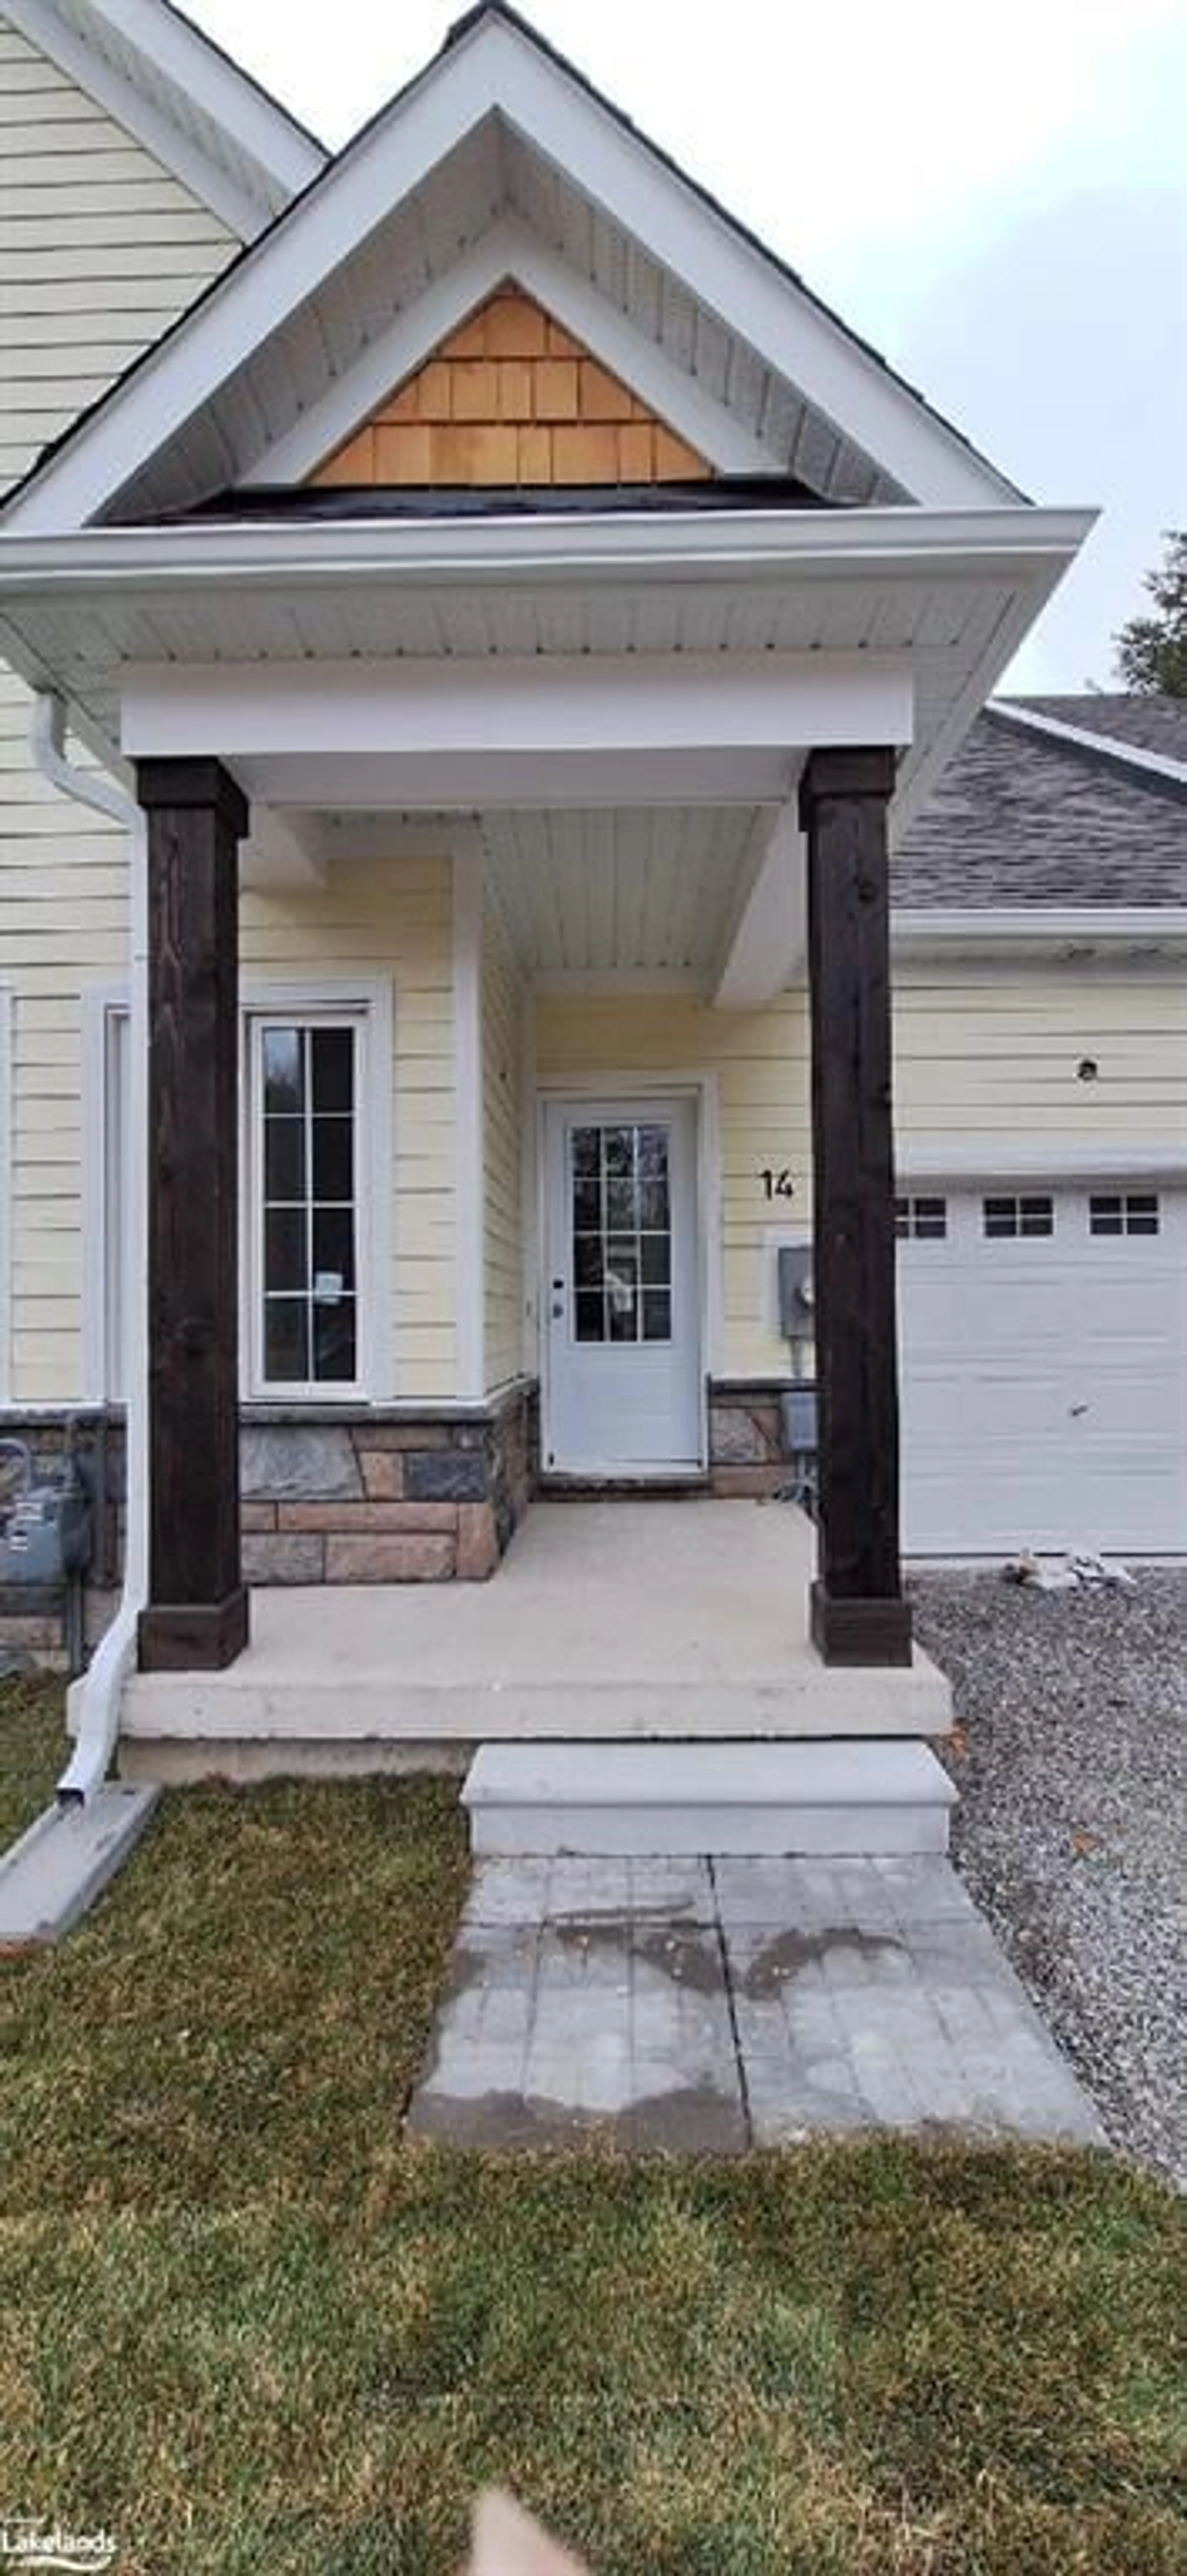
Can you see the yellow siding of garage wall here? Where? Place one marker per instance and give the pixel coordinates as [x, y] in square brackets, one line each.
[989, 1052]
[99, 250]
[503, 1153]
[980, 1053]
[373, 918]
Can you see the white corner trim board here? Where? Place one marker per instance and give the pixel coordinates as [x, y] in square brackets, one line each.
[469, 1157]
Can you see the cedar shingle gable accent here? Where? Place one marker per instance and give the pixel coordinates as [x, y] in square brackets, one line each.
[512, 398]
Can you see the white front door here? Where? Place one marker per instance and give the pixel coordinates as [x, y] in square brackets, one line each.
[621, 1289]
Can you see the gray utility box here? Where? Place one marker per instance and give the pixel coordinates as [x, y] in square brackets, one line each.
[46, 1532]
[797, 1296]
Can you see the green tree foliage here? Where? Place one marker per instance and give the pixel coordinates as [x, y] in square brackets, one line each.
[1152, 651]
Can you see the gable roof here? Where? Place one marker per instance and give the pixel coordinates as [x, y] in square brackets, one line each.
[1143, 719]
[510, 163]
[170, 86]
[1026, 819]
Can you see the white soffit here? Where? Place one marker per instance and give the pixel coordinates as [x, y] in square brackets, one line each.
[498, 129]
[952, 592]
[185, 100]
[619, 889]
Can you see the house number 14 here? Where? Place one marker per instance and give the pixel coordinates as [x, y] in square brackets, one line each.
[777, 1185]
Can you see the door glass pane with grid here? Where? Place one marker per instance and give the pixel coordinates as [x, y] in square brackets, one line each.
[622, 1233]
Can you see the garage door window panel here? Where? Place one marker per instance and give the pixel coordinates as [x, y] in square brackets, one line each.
[1013, 1219]
[921, 1220]
[1124, 1212]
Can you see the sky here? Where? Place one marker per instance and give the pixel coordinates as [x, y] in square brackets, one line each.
[996, 199]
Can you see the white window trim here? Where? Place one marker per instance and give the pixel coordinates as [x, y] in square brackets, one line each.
[7, 1225]
[368, 999]
[366, 1002]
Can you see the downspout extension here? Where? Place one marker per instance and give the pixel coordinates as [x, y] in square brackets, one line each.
[100, 1692]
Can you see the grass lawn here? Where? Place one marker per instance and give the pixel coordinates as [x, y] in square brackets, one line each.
[252, 2333]
[33, 1751]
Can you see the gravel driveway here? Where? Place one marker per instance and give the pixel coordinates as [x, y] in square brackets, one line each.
[1069, 1755]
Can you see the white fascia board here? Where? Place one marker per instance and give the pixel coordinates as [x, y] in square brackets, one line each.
[1103, 746]
[1026, 544]
[1037, 1157]
[1089, 924]
[511, 249]
[497, 70]
[767, 941]
[250, 121]
[486, 705]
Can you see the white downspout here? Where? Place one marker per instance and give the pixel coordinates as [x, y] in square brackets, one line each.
[100, 1691]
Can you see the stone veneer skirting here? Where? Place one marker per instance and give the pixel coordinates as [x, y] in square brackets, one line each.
[746, 1451]
[363, 1495]
[375, 1498]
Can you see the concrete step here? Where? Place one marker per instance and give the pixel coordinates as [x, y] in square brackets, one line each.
[65, 1859]
[870, 1798]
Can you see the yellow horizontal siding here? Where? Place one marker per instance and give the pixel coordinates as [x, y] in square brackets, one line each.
[503, 1144]
[100, 250]
[984, 1054]
[73, 188]
[376, 918]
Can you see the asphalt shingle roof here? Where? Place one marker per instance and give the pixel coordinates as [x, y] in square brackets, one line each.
[1020, 818]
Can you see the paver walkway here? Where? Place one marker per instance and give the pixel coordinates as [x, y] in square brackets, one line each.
[711, 2005]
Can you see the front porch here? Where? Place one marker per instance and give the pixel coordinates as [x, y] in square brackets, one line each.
[607, 1621]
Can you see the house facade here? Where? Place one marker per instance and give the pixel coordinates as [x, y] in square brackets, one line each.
[500, 843]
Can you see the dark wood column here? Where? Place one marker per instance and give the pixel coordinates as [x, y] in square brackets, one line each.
[196, 1619]
[858, 1612]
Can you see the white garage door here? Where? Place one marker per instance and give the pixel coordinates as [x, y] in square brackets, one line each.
[1043, 1341]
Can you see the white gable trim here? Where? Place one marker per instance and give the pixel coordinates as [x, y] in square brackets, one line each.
[1103, 746]
[255, 127]
[499, 70]
[511, 249]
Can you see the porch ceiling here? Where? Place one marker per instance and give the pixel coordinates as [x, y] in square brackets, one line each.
[623, 889]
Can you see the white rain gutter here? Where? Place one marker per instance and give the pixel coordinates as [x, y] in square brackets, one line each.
[101, 1688]
[1009, 543]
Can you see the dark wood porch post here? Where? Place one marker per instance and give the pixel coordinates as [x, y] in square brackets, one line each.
[196, 1619]
[858, 1612]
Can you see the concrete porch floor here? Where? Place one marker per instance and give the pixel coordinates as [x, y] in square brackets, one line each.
[606, 1619]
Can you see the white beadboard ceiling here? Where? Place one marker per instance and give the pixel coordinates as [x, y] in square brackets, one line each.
[620, 888]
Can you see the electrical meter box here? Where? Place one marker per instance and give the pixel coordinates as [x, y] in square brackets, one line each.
[46, 1532]
[797, 1302]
